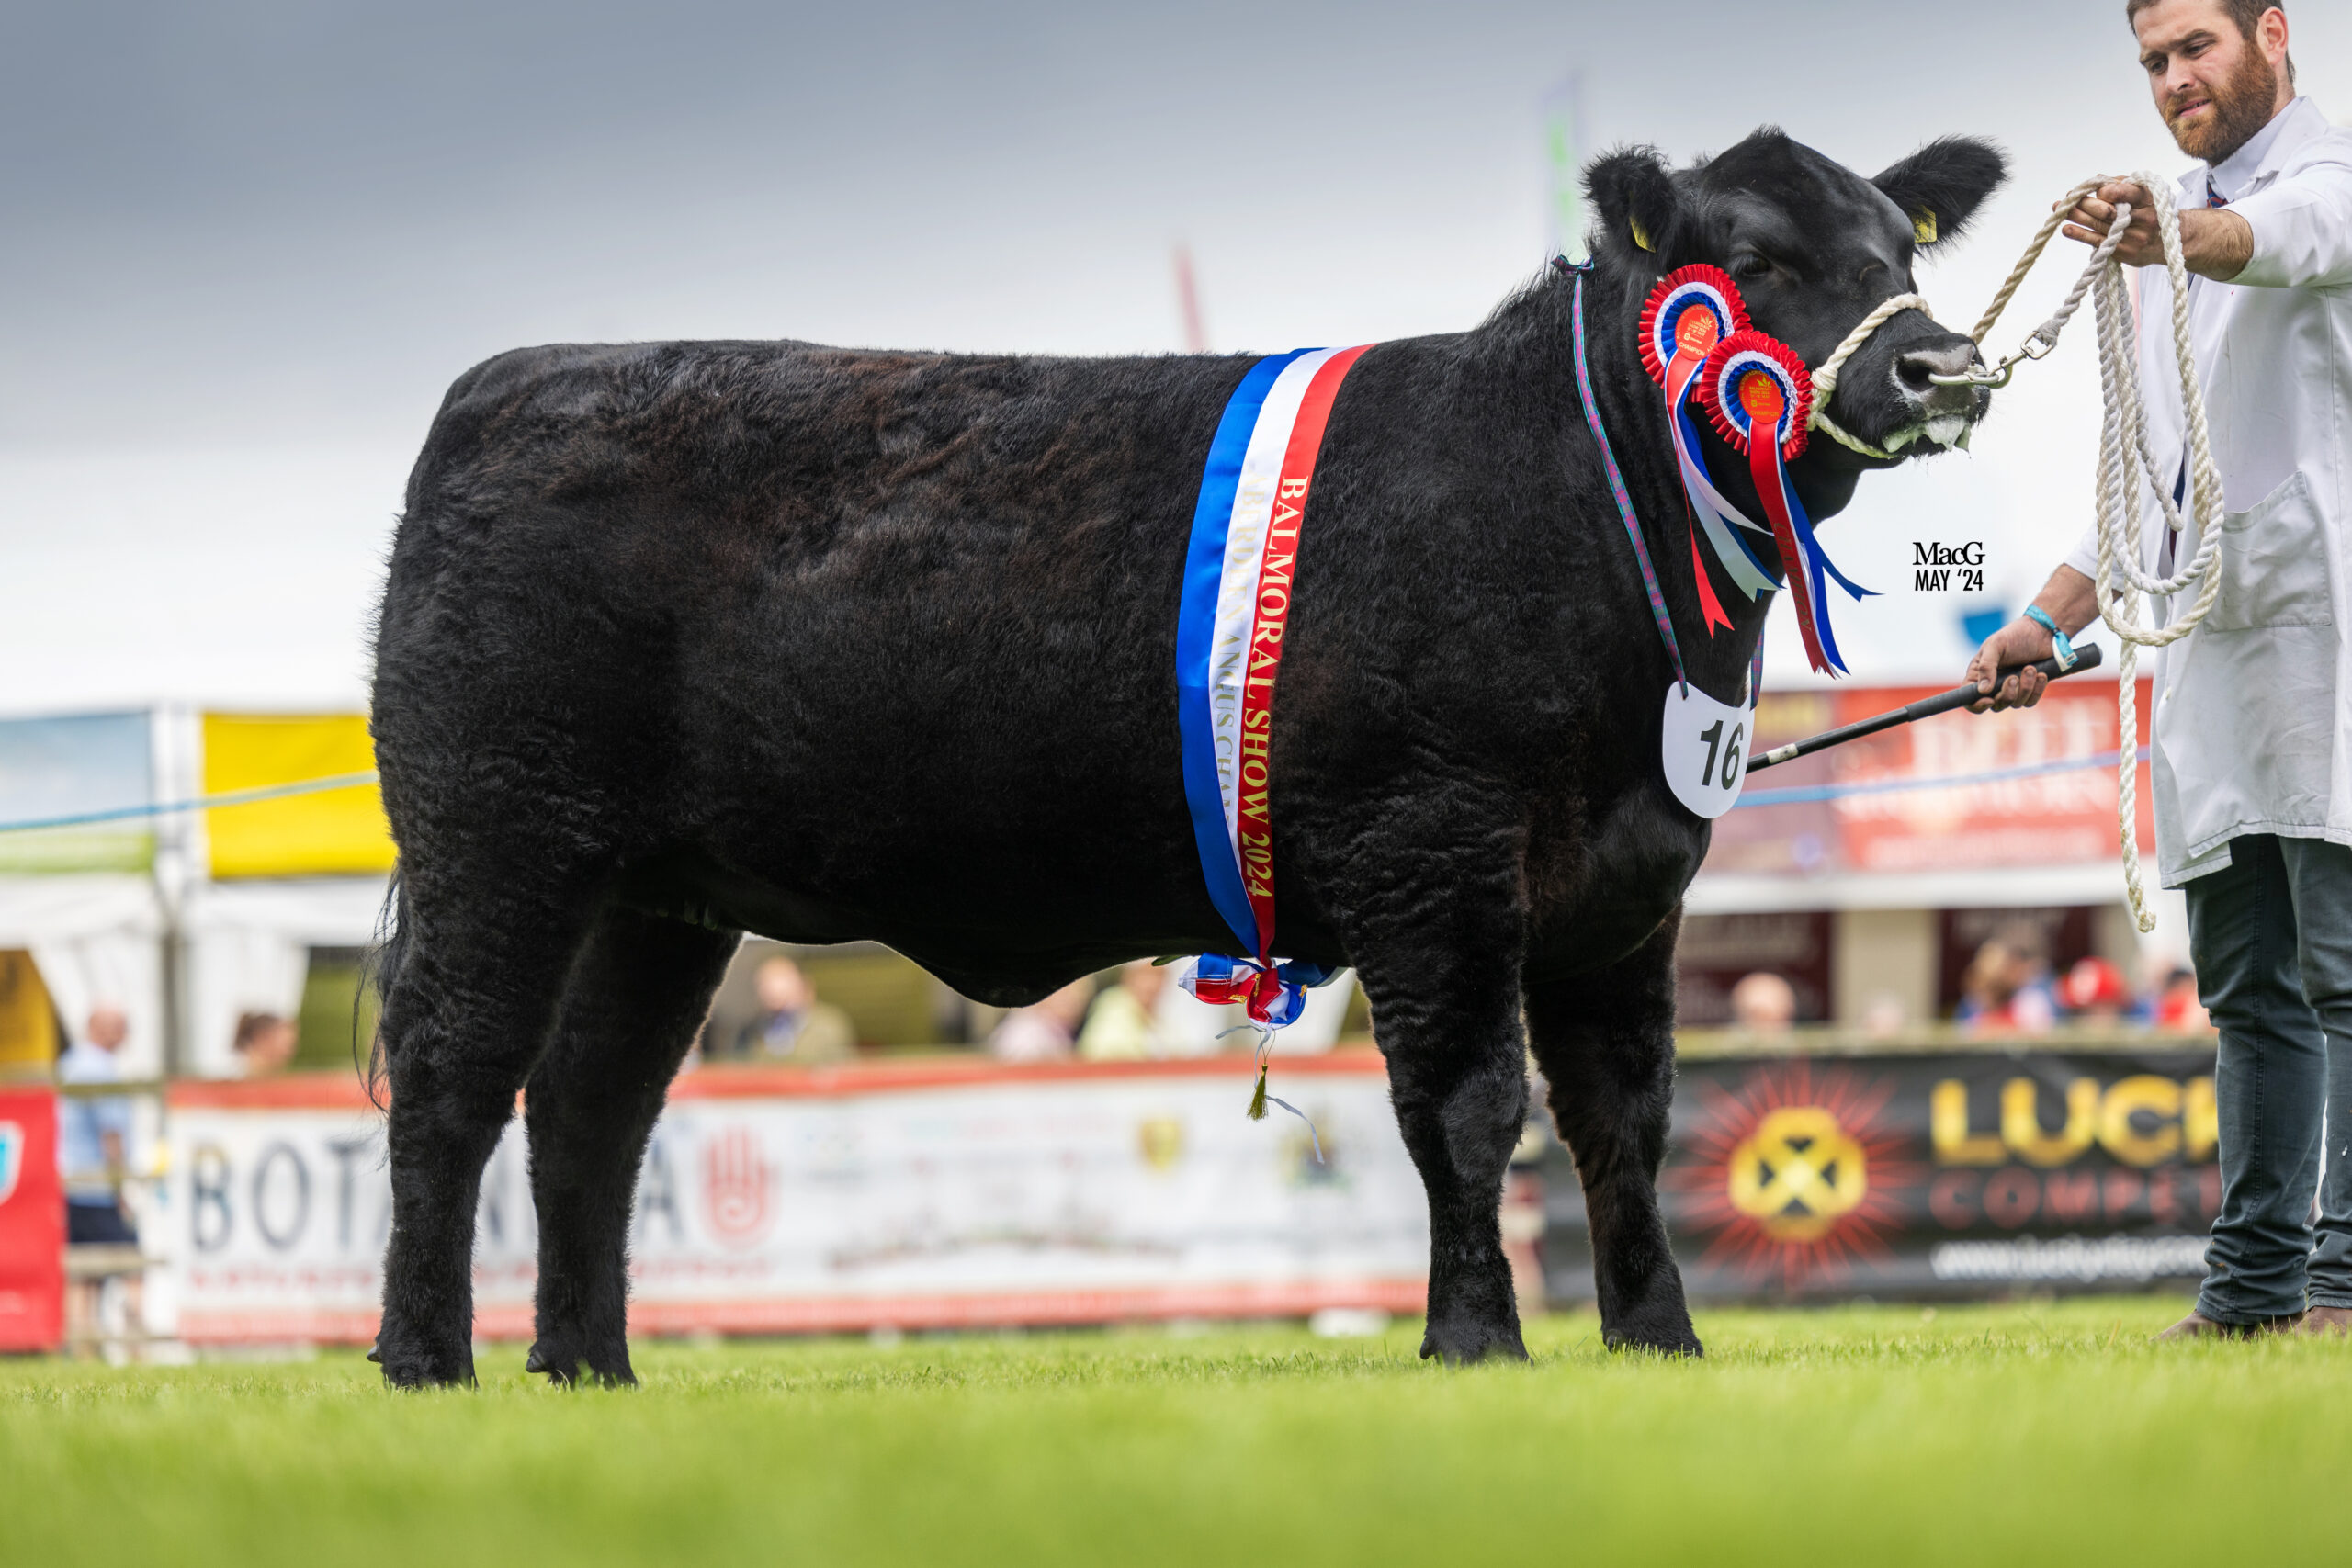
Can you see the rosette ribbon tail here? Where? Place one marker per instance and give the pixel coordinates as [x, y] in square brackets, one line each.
[1708, 605]
[1804, 582]
[1758, 393]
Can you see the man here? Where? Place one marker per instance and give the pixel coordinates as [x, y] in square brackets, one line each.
[793, 1024]
[2253, 751]
[264, 1044]
[1124, 1023]
[93, 1151]
[94, 1134]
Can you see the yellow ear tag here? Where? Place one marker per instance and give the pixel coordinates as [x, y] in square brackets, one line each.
[1922, 228]
[1640, 235]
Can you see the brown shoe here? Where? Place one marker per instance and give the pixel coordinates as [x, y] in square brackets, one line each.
[2325, 1321]
[2197, 1325]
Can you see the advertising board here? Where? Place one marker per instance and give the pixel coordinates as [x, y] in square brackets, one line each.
[32, 1223]
[1915, 1177]
[778, 1201]
[2029, 808]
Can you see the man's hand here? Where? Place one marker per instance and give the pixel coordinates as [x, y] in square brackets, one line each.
[2020, 642]
[2070, 599]
[2214, 241]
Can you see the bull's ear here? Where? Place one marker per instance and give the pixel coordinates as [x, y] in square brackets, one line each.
[1940, 187]
[1633, 193]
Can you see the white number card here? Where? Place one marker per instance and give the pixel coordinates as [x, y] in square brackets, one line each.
[1704, 748]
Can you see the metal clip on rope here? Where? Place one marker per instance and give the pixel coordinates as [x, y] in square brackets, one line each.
[2043, 338]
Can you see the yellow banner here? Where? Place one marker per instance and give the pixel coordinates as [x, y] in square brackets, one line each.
[27, 1021]
[335, 832]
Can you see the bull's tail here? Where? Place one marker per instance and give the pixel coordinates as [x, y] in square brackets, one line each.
[382, 972]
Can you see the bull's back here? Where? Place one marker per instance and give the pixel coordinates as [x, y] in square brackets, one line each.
[864, 628]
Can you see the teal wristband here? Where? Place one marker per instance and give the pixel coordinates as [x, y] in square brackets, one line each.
[2059, 642]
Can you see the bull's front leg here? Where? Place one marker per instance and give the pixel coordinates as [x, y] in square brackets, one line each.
[1605, 1041]
[1437, 952]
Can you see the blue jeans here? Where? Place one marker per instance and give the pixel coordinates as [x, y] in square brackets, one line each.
[2272, 938]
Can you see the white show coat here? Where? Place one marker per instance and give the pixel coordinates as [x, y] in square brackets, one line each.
[2251, 730]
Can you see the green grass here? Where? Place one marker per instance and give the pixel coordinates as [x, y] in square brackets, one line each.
[1978, 1436]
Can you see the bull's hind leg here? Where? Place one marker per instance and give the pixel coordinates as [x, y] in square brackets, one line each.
[638, 994]
[1437, 952]
[1605, 1041]
[483, 961]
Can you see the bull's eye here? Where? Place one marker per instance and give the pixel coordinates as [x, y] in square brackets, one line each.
[1749, 268]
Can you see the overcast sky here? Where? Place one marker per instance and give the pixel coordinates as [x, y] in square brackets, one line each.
[249, 244]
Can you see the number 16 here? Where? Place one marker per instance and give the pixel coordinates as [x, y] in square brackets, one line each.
[1713, 736]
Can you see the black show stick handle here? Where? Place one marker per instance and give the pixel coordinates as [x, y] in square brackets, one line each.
[2086, 658]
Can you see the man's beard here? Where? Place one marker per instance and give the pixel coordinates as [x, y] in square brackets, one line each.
[2241, 107]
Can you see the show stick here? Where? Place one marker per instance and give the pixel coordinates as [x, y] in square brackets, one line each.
[2087, 657]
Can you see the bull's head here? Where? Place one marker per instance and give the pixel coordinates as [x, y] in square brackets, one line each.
[1814, 247]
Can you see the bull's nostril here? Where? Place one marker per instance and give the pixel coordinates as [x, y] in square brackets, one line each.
[1915, 371]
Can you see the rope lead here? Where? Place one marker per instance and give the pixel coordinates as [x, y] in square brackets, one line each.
[2123, 439]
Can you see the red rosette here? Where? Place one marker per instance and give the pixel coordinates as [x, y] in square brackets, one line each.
[1723, 389]
[1699, 286]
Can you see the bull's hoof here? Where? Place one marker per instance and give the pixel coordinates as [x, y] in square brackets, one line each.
[1459, 1344]
[408, 1364]
[403, 1371]
[1665, 1339]
[560, 1365]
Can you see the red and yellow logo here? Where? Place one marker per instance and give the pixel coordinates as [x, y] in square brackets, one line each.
[1695, 332]
[1761, 396]
[1795, 1173]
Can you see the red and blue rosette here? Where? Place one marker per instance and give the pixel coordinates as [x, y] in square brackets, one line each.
[1689, 311]
[1758, 394]
[1669, 332]
[1750, 377]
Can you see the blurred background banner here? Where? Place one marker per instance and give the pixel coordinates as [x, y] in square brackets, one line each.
[1915, 1175]
[903, 1196]
[71, 766]
[334, 832]
[2059, 818]
[32, 1223]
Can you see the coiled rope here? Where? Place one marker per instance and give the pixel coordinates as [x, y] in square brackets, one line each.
[2123, 439]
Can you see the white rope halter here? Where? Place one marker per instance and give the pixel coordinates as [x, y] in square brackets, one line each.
[1825, 379]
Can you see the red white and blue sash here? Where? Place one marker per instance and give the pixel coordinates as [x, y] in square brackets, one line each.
[1239, 575]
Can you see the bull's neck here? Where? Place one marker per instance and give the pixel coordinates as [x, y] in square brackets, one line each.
[1633, 413]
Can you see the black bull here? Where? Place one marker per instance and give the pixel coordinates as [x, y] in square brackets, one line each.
[687, 639]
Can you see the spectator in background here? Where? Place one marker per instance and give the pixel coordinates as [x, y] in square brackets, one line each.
[2094, 991]
[94, 1134]
[93, 1153]
[793, 1024]
[264, 1044]
[1045, 1031]
[2178, 1007]
[1886, 1017]
[1121, 1026]
[2006, 988]
[1763, 1004]
[2033, 999]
